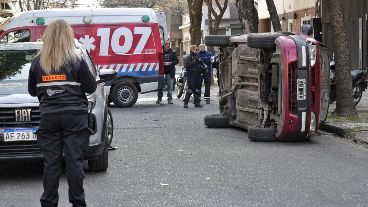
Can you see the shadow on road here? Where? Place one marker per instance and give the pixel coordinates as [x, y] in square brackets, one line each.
[311, 141]
[20, 169]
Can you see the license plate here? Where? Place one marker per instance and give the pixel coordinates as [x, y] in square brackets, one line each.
[301, 90]
[20, 134]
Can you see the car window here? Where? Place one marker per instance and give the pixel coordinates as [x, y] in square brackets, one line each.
[17, 36]
[14, 65]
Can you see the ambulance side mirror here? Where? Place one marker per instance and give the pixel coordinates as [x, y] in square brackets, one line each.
[107, 75]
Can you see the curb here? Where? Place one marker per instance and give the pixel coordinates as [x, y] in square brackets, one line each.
[359, 141]
[340, 131]
[343, 132]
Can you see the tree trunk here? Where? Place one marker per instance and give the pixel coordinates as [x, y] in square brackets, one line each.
[195, 14]
[21, 5]
[28, 5]
[274, 16]
[250, 16]
[210, 20]
[240, 15]
[221, 14]
[344, 99]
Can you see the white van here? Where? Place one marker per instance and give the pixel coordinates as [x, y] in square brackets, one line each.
[128, 40]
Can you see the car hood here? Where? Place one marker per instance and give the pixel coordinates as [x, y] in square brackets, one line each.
[12, 92]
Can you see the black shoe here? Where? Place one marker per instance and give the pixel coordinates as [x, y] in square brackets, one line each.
[185, 105]
[169, 101]
[158, 101]
[198, 105]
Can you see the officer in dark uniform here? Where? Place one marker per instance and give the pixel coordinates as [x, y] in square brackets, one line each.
[170, 60]
[207, 76]
[194, 67]
[60, 79]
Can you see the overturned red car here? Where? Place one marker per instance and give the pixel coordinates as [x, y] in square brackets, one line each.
[275, 85]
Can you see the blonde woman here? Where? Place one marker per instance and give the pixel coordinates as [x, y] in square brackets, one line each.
[60, 78]
[194, 68]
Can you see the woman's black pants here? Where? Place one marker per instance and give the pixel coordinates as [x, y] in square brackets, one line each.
[63, 132]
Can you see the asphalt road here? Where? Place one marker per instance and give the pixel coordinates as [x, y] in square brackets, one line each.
[167, 157]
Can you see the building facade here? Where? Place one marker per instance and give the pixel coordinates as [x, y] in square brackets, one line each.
[230, 25]
[293, 14]
[185, 33]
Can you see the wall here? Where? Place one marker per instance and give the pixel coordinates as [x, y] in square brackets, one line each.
[293, 20]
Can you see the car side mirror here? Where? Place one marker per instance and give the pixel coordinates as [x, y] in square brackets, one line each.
[107, 75]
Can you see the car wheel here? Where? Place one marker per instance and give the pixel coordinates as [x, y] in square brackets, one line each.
[263, 40]
[216, 121]
[124, 94]
[109, 127]
[262, 134]
[102, 162]
[217, 40]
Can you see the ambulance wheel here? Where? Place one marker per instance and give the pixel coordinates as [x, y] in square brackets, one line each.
[124, 94]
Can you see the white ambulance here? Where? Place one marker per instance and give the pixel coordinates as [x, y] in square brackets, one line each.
[128, 40]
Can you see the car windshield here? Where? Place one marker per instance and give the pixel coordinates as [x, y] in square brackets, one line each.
[14, 65]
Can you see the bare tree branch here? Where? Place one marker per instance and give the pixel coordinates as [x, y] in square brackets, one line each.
[273, 15]
[218, 16]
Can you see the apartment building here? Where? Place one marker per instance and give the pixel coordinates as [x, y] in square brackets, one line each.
[292, 13]
[230, 25]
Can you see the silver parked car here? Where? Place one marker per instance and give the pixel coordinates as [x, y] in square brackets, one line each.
[20, 115]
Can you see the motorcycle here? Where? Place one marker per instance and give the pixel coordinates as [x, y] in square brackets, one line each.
[360, 83]
[181, 83]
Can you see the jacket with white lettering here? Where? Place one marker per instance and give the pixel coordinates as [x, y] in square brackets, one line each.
[62, 91]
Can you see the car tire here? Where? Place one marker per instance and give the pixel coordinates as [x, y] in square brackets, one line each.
[217, 40]
[263, 40]
[109, 127]
[102, 162]
[216, 121]
[262, 134]
[124, 94]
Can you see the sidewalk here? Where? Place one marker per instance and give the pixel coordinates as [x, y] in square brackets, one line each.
[353, 128]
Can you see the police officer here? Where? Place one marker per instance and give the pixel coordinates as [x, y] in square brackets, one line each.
[59, 77]
[194, 68]
[206, 77]
[170, 60]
